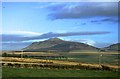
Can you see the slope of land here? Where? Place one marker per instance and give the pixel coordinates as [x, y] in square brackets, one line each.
[113, 47]
[58, 45]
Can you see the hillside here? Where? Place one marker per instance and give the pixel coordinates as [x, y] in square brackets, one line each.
[56, 44]
[113, 47]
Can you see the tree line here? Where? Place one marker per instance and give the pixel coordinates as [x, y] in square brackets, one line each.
[57, 66]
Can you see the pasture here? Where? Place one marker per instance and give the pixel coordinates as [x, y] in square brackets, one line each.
[33, 72]
[53, 64]
[61, 64]
[92, 57]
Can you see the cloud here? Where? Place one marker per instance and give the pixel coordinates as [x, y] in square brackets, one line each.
[86, 41]
[83, 23]
[99, 0]
[109, 20]
[81, 10]
[113, 20]
[59, 1]
[25, 33]
[17, 38]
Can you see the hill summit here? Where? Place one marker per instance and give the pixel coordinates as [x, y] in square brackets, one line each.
[54, 39]
[58, 45]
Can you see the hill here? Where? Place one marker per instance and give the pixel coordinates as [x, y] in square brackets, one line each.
[113, 47]
[58, 45]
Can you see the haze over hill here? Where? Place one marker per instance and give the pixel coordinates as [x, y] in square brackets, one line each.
[56, 44]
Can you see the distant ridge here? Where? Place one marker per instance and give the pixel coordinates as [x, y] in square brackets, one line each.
[113, 47]
[58, 45]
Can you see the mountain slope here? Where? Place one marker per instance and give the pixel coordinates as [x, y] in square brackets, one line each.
[56, 44]
[113, 47]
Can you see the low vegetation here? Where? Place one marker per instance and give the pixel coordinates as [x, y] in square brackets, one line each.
[111, 58]
[33, 72]
[81, 63]
[52, 64]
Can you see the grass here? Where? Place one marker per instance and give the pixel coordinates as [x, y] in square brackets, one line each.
[111, 58]
[32, 72]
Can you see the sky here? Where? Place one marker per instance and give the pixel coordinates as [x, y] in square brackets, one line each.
[93, 23]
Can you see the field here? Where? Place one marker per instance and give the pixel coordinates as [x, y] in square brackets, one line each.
[32, 72]
[62, 64]
[93, 57]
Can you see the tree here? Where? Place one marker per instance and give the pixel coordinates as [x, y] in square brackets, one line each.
[4, 54]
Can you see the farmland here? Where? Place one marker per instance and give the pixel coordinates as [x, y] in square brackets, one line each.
[110, 58]
[82, 64]
[33, 72]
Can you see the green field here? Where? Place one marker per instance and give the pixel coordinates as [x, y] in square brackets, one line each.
[33, 72]
[111, 58]
[81, 57]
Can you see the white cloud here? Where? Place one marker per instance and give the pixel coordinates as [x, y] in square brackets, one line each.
[88, 41]
[25, 33]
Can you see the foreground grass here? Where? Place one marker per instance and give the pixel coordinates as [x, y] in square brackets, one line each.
[32, 72]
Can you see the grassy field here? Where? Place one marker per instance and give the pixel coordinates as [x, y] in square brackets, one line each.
[75, 57]
[111, 58]
[32, 72]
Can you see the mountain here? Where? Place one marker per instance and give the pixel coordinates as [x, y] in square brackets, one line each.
[56, 44]
[113, 47]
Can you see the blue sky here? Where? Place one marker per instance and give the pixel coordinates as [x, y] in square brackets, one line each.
[94, 23]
